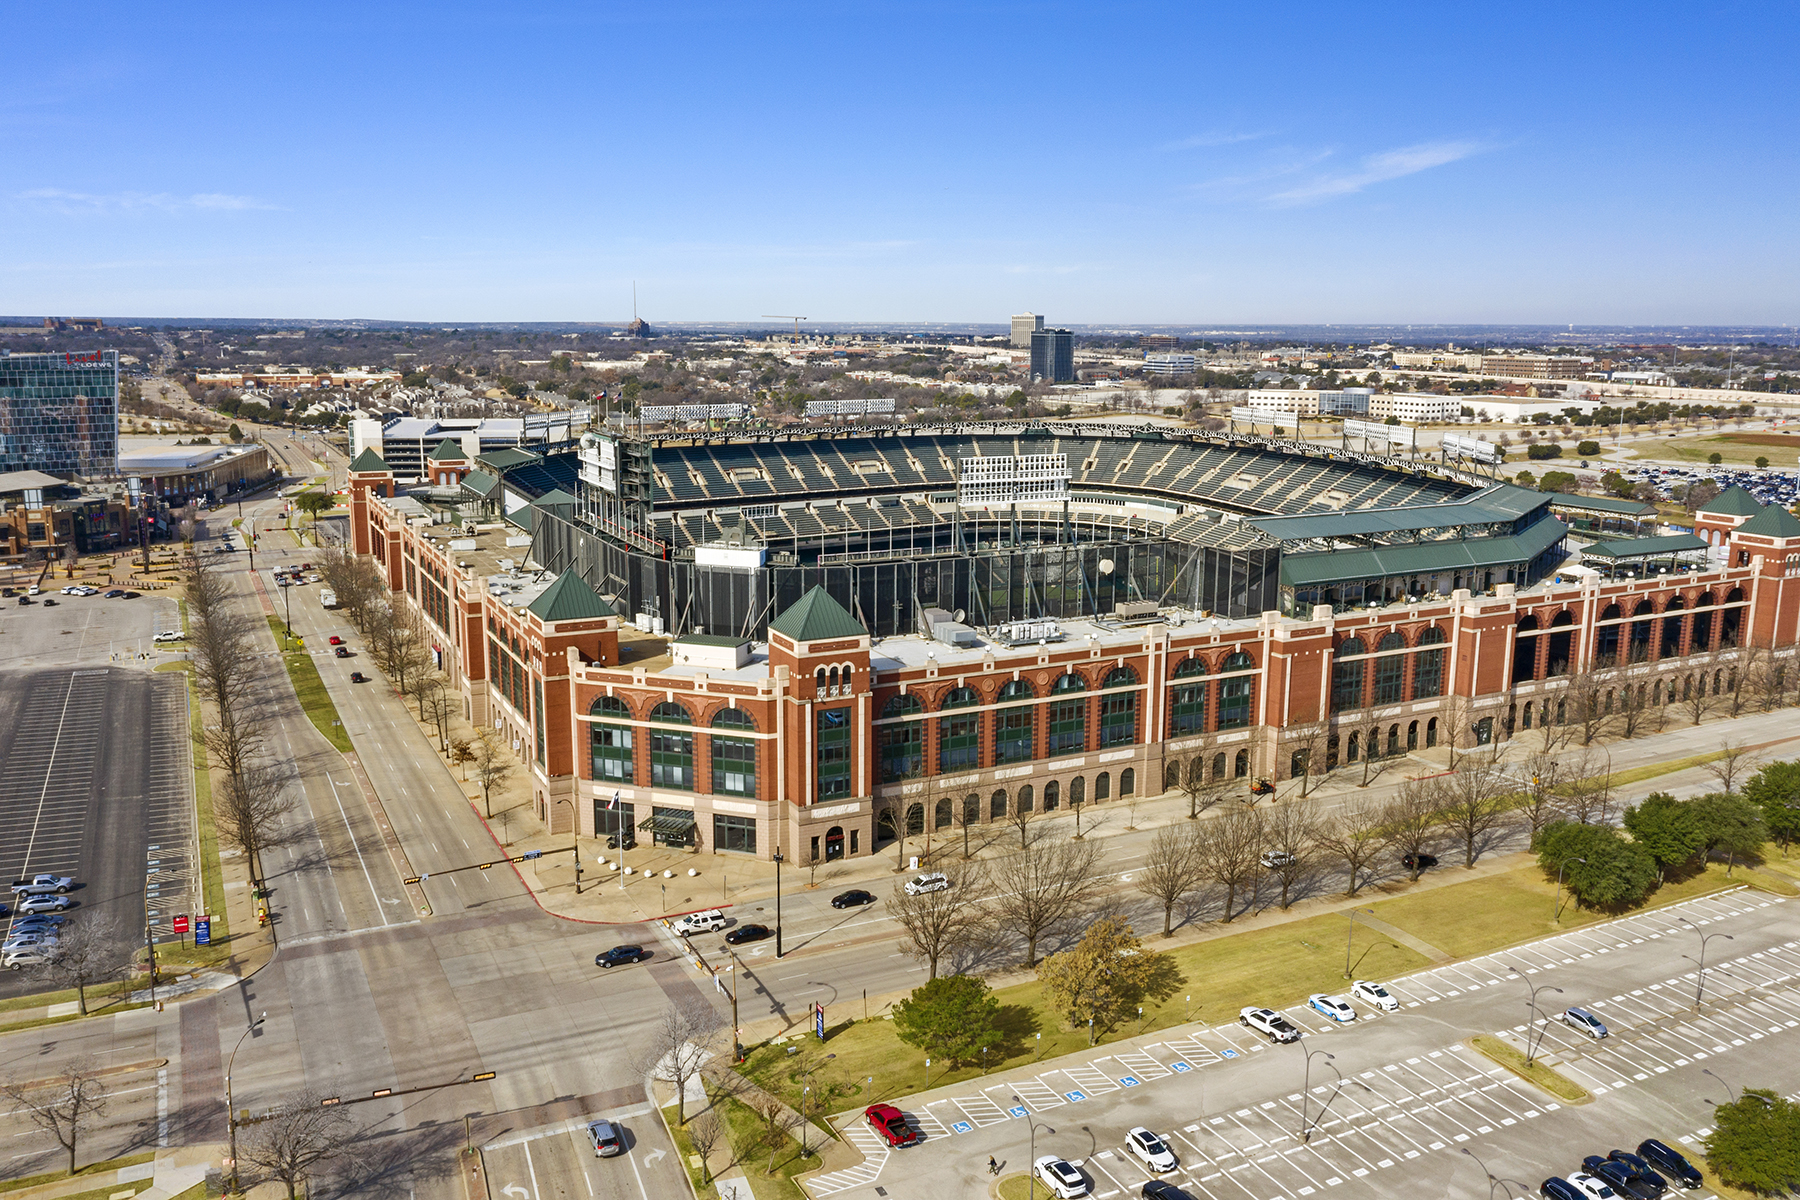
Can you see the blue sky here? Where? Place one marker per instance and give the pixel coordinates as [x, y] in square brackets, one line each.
[1129, 163]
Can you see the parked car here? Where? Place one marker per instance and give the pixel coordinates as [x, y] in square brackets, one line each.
[707, 921]
[1418, 862]
[45, 903]
[1331, 1006]
[890, 1123]
[115, 593]
[1154, 1152]
[170, 635]
[931, 881]
[853, 898]
[1269, 1023]
[1621, 1180]
[358, 677]
[748, 933]
[1592, 1187]
[1639, 1169]
[1374, 995]
[1583, 1021]
[1162, 1189]
[49, 601]
[1275, 859]
[620, 955]
[32, 921]
[36, 885]
[1063, 1180]
[606, 1138]
[1558, 1188]
[1670, 1162]
[29, 956]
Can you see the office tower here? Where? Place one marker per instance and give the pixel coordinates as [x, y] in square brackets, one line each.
[59, 413]
[1053, 355]
[1023, 326]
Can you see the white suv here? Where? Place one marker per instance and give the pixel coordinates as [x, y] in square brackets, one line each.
[25, 956]
[709, 921]
[931, 881]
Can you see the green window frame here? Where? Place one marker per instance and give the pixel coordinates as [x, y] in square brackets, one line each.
[1347, 668]
[1118, 711]
[537, 717]
[671, 752]
[609, 746]
[1428, 665]
[1187, 701]
[1067, 728]
[733, 758]
[1013, 726]
[1236, 691]
[734, 833]
[901, 745]
[1390, 670]
[959, 735]
[832, 742]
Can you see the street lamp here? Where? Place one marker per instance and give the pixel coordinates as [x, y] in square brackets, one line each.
[574, 838]
[778, 861]
[1306, 1091]
[1700, 984]
[1031, 1174]
[1728, 1087]
[1350, 940]
[1556, 910]
[230, 1109]
[1494, 1181]
[1531, 1030]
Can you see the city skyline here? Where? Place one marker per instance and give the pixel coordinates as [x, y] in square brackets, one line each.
[1206, 166]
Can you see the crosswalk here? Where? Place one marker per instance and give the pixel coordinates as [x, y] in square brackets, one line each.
[1361, 1125]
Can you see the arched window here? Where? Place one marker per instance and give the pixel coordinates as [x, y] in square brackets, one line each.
[1171, 774]
[1068, 712]
[1347, 675]
[1390, 669]
[1412, 735]
[971, 809]
[1013, 725]
[945, 814]
[1218, 766]
[1671, 629]
[1127, 783]
[1022, 802]
[1240, 767]
[1606, 638]
[915, 820]
[1525, 649]
[671, 751]
[1561, 641]
[1077, 791]
[959, 734]
[610, 745]
[1352, 754]
[1730, 619]
[1118, 709]
[1393, 742]
[1428, 664]
[902, 744]
[733, 758]
[1641, 630]
[1102, 787]
[1187, 699]
[997, 804]
[1052, 796]
[1431, 733]
[1236, 691]
[1704, 619]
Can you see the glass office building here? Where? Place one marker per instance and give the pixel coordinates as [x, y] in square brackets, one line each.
[60, 413]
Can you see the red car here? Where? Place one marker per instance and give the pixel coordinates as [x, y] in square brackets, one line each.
[891, 1124]
[336, 640]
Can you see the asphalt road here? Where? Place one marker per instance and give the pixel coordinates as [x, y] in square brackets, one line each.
[1389, 1102]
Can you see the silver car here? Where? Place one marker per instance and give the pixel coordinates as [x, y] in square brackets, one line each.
[606, 1138]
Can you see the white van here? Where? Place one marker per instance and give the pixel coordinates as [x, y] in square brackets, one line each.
[710, 921]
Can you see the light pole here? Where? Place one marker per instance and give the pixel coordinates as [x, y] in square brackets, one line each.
[1556, 910]
[1700, 984]
[1495, 1181]
[230, 1110]
[1350, 940]
[1728, 1087]
[1031, 1172]
[737, 1046]
[778, 861]
[574, 838]
[1306, 1092]
[1532, 1031]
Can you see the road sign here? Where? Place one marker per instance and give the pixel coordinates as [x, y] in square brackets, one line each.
[203, 931]
[819, 1021]
[180, 923]
[532, 854]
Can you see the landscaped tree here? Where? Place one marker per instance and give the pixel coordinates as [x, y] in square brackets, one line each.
[1755, 1143]
[1230, 849]
[1290, 833]
[1617, 873]
[952, 1019]
[89, 951]
[312, 504]
[1106, 975]
[493, 764]
[296, 1139]
[1667, 828]
[1729, 825]
[677, 1046]
[1776, 791]
[1173, 868]
[1472, 804]
[63, 1109]
[1413, 828]
[944, 923]
[1354, 835]
[1047, 884]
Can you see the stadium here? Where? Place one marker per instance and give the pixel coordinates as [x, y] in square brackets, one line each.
[826, 640]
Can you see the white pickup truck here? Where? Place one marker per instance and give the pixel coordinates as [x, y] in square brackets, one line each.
[42, 885]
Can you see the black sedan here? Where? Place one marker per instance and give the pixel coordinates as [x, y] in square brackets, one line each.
[358, 677]
[342, 651]
[1419, 862]
[620, 955]
[854, 898]
[748, 933]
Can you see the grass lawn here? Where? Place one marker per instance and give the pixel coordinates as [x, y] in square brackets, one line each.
[750, 1152]
[684, 1149]
[1513, 1059]
[309, 687]
[12, 1185]
[214, 894]
[1738, 449]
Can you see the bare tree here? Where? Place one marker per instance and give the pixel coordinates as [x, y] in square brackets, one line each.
[944, 923]
[1025, 821]
[90, 950]
[65, 1108]
[1204, 785]
[1355, 835]
[494, 764]
[1173, 868]
[1307, 743]
[1552, 733]
[1042, 886]
[1411, 820]
[252, 809]
[1289, 837]
[677, 1046]
[1231, 850]
[1740, 679]
[296, 1139]
[704, 1132]
[777, 1119]
[1586, 705]
[398, 643]
[1543, 804]
[1635, 712]
[1736, 759]
[1372, 762]
[1454, 716]
[1698, 700]
[1472, 804]
[1587, 789]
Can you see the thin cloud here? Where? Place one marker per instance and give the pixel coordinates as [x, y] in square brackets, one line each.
[1377, 168]
[1202, 140]
[120, 202]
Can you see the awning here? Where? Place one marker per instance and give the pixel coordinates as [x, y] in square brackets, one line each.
[668, 826]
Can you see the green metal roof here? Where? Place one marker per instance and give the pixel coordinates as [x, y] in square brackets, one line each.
[1734, 501]
[1424, 558]
[711, 639]
[368, 460]
[1772, 521]
[525, 517]
[816, 616]
[570, 599]
[554, 498]
[1603, 504]
[506, 457]
[1650, 547]
[446, 449]
[1493, 505]
[481, 483]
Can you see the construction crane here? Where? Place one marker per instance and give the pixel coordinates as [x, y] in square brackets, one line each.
[785, 317]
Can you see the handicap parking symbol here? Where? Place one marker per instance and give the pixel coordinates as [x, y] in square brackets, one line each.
[1072, 1097]
[1128, 1080]
[1018, 1111]
[962, 1127]
[1180, 1066]
[1229, 1053]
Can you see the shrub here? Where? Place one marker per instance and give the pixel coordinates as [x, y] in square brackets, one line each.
[1543, 450]
[1588, 449]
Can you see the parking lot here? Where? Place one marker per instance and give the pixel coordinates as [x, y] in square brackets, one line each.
[83, 630]
[1386, 1104]
[95, 783]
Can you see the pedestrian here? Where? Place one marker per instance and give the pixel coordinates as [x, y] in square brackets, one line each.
[993, 1167]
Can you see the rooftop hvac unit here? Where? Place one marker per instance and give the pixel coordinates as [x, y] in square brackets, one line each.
[1133, 609]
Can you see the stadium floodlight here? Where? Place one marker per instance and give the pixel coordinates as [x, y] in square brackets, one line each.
[1010, 479]
[1273, 418]
[694, 412]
